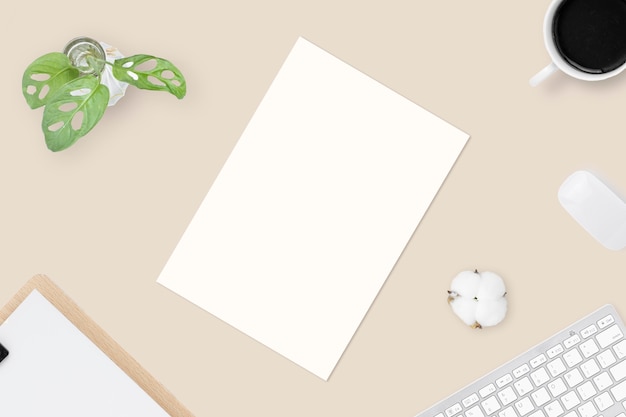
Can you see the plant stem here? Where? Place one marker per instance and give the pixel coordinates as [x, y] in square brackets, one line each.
[100, 60]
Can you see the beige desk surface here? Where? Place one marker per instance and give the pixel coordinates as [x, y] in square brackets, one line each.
[102, 218]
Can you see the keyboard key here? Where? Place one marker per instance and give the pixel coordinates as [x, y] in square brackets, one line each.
[507, 396]
[603, 401]
[570, 400]
[619, 391]
[587, 410]
[540, 377]
[589, 331]
[573, 358]
[573, 378]
[556, 367]
[589, 348]
[603, 381]
[523, 386]
[571, 341]
[606, 359]
[488, 390]
[620, 349]
[471, 400]
[555, 351]
[540, 397]
[538, 413]
[506, 379]
[507, 412]
[539, 360]
[524, 406]
[609, 336]
[586, 391]
[455, 409]
[474, 412]
[590, 368]
[557, 387]
[554, 409]
[619, 371]
[606, 321]
[490, 405]
[521, 371]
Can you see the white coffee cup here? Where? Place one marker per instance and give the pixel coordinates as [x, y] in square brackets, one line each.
[558, 62]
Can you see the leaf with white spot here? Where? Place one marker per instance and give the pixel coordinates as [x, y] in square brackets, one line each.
[73, 111]
[45, 76]
[150, 73]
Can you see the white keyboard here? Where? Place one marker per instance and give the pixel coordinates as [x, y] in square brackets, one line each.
[578, 372]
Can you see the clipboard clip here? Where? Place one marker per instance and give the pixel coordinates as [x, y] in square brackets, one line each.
[3, 352]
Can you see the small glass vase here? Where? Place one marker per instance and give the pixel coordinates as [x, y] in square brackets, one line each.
[86, 54]
[89, 55]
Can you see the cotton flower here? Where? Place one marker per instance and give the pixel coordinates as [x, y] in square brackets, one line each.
[478, 298]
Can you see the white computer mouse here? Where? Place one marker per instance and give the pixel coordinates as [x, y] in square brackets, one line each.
[596, 208]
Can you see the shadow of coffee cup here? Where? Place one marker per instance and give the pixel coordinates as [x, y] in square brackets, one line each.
[586, 39]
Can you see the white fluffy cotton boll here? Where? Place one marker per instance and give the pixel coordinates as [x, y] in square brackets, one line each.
[478, 298]
[466, 283]
[491, 286]
[465, 308]
[490, 312]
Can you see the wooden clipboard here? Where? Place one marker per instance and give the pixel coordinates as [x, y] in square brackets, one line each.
[100, 338]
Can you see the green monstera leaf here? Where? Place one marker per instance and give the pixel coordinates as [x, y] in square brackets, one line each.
[150, 73]
[45, 76]
[73, 111]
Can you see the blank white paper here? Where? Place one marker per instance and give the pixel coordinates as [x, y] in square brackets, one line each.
[313, 208]
[54, 370]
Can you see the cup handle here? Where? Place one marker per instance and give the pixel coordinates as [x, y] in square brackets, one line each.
[543, 74]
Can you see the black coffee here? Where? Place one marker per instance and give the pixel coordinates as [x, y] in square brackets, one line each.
[591, 34]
